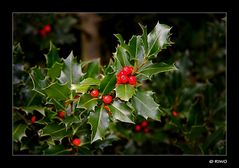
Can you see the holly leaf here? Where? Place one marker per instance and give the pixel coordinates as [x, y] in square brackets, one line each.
[214, 137]
[85, 84]
[55, 70]
[145, 105]
[107, 84]
[99, 122]
[121, 111]
[196, 132]
[136, 49]
[152, 69]
[87, 101]
[52, 56]
[91, 68]
[121, 57]
[57, 91]
[57, 132]
[19, 131]
[157, 39]
[56, 150]
[59, 104]
[144, 37]
[71, 71]
[39, 81]
[108, 141]
[30, 109]
[50, 115]
[69, 120]
[125, 91]
[122, 42]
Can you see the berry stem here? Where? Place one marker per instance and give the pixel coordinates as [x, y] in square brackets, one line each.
[142, 64]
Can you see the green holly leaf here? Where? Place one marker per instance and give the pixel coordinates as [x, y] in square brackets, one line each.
[56, 150]
[121, 57]
[125, 91]
[144, 37]
[151, 69]
[30, 109]
[69, 120]
[50, 115]
[196, 132]
[122, 42]
[39, 81]
[55, 70]
[216, 136]
[85, 84]
[108, 141]
[19, 131]
[136, 49]
[57, 91]
[87, 101]
[59, 104]
[71, 71]
[57, 132]
[52, 56]
[121, 112]
[91, 68]
[157, 39]
[195, 114]
[145, 105]
[99, 122]
[107, 84]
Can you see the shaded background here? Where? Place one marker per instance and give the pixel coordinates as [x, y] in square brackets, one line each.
[196, 92]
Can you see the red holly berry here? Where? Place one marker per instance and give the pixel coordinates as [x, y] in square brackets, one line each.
[61, 114]
[107, 99]
[33, 119]
[132, 80]
[128, 70]
[175, 113]
[94, 93]
[137, 128]
[123, 79]
[76, 142]
[47, 28]
[121, 73]
[144, 124]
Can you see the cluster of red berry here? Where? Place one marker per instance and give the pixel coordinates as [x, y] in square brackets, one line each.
[143, 126]
[126, 76]
[107, 99]
[45, 30]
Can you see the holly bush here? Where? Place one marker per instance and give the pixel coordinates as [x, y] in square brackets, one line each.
[191, 118]
[69, 106]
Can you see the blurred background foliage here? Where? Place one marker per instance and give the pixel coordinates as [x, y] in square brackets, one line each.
[193, 98]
